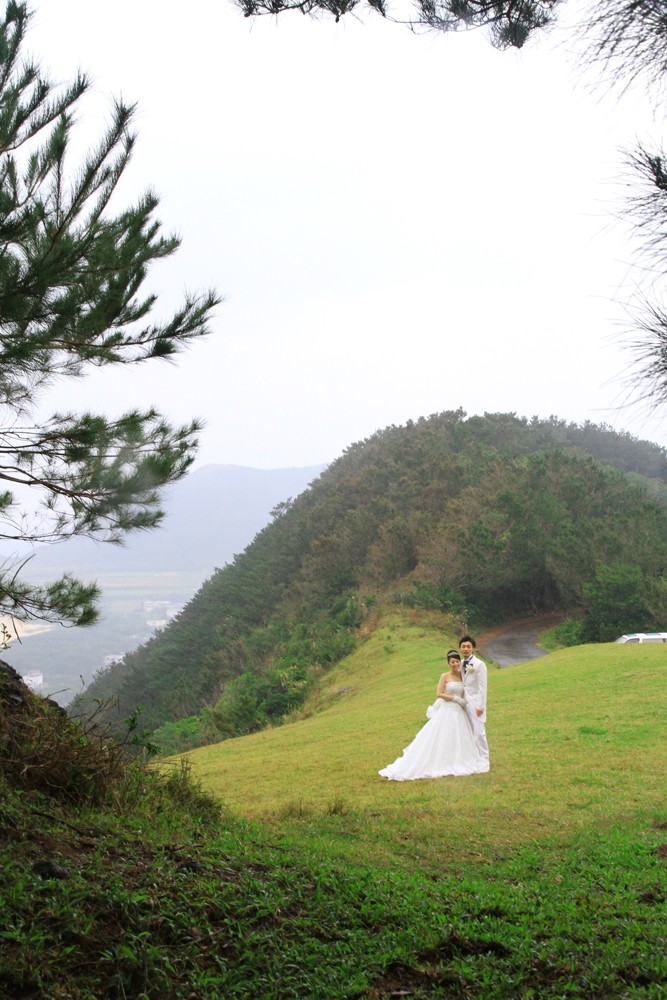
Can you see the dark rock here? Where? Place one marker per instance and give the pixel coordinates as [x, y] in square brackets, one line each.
[15, 695]
[49, 869]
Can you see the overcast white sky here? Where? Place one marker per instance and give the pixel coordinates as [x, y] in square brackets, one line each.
[399, 224]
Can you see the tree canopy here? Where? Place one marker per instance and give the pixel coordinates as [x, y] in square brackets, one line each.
[71, 297]
[509, 22]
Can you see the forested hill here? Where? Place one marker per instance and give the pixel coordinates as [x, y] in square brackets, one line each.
[482, 518]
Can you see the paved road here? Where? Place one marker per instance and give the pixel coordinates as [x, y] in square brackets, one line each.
[516, 642]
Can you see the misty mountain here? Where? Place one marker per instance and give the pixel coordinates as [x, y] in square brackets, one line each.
[211, 515]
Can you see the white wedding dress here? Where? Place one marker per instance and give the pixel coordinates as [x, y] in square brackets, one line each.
[445, 745]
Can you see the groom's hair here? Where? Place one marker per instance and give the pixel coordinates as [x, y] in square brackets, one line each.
[468, 638]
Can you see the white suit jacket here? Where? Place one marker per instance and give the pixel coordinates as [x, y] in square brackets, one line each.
[474, 684]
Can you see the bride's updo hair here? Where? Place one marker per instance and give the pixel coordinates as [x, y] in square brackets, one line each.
[453, 654]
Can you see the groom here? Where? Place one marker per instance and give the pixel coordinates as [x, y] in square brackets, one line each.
[473, 671]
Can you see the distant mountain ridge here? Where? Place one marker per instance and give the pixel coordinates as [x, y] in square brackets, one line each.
[211, 515]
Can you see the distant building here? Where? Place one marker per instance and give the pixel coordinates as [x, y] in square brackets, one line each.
[165, 610]
[34, 679]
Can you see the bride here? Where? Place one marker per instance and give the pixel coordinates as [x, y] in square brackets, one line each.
[446, 744]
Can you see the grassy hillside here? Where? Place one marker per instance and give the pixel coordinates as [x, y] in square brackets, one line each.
[483, 519]
[545, 878]
[576, 744]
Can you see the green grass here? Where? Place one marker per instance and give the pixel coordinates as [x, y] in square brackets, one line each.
[575, 745]
[318, 879]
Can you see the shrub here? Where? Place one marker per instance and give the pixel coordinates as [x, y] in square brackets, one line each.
[41, 748]
[568, 633]
[622, 598]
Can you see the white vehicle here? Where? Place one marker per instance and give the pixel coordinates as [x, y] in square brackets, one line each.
[643, 637]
